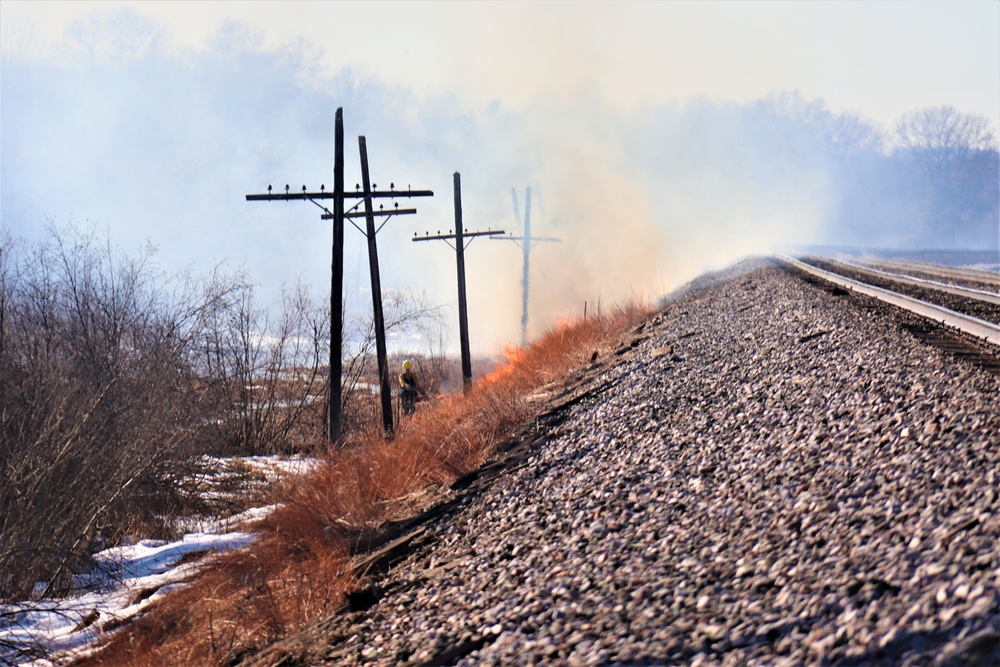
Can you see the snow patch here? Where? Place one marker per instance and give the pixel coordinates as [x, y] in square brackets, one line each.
[126, 580]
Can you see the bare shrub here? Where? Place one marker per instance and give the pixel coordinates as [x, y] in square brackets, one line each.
[407, 315]
[96, 400]
[266, 378]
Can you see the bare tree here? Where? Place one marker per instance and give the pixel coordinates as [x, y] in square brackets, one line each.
[950, 160]
[265, 376]
[8, 282]
[852, 135]
[941, 137]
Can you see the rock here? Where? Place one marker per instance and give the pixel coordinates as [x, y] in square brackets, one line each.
[765, 502]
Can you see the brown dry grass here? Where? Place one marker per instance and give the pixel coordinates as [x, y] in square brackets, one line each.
[299, 567]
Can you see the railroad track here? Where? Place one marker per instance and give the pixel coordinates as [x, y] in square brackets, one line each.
[970, 277]
[960, 320]
[960, 287]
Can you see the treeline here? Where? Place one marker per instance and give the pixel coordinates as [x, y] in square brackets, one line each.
[114, 377]
[933, 182]
[930, 181]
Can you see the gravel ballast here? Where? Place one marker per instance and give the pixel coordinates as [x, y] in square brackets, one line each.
[775, 473]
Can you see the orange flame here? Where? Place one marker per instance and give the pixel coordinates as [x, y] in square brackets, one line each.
[511, 356]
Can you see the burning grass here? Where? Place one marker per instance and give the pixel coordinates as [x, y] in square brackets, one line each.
[299, 567]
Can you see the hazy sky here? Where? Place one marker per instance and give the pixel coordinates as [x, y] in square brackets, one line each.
[156, 118]
[881, 57]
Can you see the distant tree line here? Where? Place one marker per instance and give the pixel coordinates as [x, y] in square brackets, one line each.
[934, 182]
[931, 181]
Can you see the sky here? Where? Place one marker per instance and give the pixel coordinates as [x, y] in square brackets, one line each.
[153, 120]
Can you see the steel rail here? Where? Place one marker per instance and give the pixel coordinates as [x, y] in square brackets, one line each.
[967, 292]
[941, 270]
[965, 323]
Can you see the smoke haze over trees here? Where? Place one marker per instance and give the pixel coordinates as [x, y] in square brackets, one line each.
[162, 146]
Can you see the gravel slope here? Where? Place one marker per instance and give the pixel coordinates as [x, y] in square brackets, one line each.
[775, 476]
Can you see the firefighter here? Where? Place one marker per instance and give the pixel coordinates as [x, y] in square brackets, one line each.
[410, 388]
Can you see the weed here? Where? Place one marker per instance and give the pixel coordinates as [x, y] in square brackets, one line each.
[299, 568]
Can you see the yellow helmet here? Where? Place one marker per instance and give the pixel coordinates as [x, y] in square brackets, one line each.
[407, 365]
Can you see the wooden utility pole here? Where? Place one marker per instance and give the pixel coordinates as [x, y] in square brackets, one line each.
[334, 398]
[459, 236]
[338, 216]
[525, 241]
[370, 232]
[380, 348]
[334, 384]
[463, 303]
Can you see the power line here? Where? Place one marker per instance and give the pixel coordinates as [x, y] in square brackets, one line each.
[525, 241]
[338, 216]
[460, 235]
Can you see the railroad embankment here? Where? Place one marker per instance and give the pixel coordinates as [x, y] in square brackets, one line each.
[769, 472]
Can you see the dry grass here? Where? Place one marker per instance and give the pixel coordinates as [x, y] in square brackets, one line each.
[299, 568]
